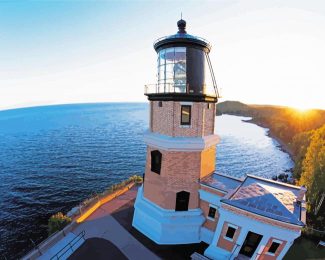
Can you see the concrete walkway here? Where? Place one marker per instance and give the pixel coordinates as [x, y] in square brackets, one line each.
[101, 224]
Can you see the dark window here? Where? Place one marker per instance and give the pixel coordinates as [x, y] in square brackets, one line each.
[212, 212]
[182, 199]
[156, 161]
[209, 105]
[274, 247]
[160, 103]
[230, 232]
[185, 115]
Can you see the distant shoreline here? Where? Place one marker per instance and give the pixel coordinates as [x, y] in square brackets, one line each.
[282, 145]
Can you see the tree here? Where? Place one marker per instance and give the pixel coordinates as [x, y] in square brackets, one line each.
[299, 146]
[313, 167]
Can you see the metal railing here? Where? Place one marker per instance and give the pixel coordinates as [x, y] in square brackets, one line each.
[36, 247]
[165, 88]
[69, 246]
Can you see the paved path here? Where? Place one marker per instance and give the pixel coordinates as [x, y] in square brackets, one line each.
[101, 224]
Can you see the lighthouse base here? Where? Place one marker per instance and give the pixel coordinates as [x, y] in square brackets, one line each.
[167, 227]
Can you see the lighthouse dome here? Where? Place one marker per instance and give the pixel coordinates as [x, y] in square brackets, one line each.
[182, 38]
[184, 70]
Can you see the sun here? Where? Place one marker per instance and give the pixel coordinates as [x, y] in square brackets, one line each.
[302, 108]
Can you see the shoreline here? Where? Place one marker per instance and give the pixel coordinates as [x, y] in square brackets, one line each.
[281, 145]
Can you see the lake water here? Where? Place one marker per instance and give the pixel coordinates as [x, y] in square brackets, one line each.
[53, 157]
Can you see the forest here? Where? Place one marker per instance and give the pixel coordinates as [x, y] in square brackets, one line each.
[302, 135]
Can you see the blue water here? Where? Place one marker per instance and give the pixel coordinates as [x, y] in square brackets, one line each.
[53, 157]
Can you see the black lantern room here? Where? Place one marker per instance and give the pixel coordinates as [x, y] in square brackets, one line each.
[184, 71]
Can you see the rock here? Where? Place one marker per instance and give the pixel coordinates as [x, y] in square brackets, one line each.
[73, 211]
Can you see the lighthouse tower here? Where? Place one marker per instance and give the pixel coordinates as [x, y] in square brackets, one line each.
[181, 144]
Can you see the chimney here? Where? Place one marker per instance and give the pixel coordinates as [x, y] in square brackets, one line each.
[301, 193]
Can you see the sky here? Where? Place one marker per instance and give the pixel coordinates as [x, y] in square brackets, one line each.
[58, 52]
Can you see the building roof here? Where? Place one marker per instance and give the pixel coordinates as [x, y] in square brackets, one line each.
[221, 182]
[268, 198]
[182, 37]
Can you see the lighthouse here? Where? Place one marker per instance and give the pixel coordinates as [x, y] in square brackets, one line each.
[180, 141]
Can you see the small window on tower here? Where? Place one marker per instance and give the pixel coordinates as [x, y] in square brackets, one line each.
[212, 212]
[185, 115]
[209, 105]
[156, 161]
[160, 103]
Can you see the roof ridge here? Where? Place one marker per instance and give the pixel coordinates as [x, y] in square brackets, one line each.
[239, 186]
[227, 176]
[272, 181]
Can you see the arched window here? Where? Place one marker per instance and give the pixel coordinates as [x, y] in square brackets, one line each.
[156, 161]
[182, 199]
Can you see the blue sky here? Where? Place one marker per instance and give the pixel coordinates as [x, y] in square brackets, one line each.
[264, 52]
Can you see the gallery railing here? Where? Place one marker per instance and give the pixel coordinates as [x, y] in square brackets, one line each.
[166, 88]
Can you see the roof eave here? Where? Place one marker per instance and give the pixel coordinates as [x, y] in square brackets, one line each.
[299, 224]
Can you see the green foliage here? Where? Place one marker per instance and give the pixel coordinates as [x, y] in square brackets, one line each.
[299, 145]
[57, 222]
[305, 249]
[313, 167]
[233, 108]
[136, 179]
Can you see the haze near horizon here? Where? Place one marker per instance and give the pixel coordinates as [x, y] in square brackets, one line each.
[101, 51]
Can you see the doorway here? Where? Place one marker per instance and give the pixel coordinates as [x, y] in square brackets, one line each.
[250, 244]
[182, 199]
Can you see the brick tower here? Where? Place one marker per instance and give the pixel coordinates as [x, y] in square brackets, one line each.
[181, 144]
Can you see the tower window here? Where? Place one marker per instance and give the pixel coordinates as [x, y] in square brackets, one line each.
[156, 161]
[209, 105]
[273, 247]
[212, 212]
[185, 115]
[182, 200]
[230, 232]
[160, 104]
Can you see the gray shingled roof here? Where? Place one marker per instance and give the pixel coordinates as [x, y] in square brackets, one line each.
[221, 182]
[267, 198]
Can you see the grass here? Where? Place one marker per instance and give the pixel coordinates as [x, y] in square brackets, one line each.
[305, 249]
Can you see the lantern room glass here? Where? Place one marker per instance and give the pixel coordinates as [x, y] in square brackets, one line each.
[184, 70]
[172, 70]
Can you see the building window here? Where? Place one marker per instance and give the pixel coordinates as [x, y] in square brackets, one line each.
[185, 115]
[182, 200]
[274, 247]
[209, 105]
[156, 161]
[230, 232]
[212, 212]
[160, 104]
